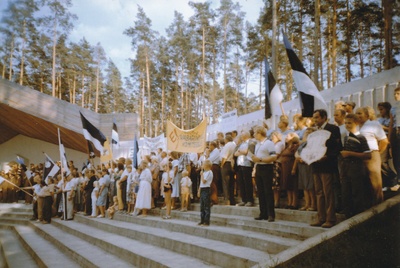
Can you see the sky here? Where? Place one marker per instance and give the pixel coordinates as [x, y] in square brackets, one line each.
[105, 21]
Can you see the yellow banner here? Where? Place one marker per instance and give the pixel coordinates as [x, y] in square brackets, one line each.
[186, 141]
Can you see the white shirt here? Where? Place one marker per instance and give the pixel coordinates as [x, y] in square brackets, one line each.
[146, 175]
[208, 177]
[264, 149]
[215, 157]
[373, 132]
[186, 182]
[228, 151]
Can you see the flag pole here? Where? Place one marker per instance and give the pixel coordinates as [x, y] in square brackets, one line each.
[59, 143]
[283, 111]
[17, 186]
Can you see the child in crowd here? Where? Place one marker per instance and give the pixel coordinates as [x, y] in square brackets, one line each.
[133, 185]
[354, 176]
[94, 196]
[114, 208]
[167, 182]
[186, 183]
[206, 177]
[47, 194]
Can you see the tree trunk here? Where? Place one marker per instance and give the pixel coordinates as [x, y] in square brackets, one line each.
[53, 76]
[83, 92]
[316, 42]
[348, 43]
[225, 48]
[388, 32]
[21, 74]
[274, 30]
[334, 43]
[162, 104]
[149, 93]
[97, 87]
[11, 58]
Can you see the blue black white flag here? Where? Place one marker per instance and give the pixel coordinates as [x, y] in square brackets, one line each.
[309, 95]
[94, 136]
[114, 134]
[273, 95]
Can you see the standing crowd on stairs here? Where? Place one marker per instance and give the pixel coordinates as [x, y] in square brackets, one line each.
[360, 160]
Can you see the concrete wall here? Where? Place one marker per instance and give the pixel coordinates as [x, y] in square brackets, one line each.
[32, 151]
[368, 91]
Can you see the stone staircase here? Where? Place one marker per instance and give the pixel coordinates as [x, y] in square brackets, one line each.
[234, 238]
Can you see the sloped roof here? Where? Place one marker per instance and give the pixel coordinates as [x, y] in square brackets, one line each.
[33, 114]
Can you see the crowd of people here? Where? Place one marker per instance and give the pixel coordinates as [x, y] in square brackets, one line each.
[359, 162]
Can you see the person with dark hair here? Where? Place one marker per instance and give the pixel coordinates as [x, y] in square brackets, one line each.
[215, 159]
[389, 177]
[354, 174]
[227, 170]
[324, 171]
[244, 169]
[88, 191]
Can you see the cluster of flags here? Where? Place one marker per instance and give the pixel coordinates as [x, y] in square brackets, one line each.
[309, 95]
[95, 140]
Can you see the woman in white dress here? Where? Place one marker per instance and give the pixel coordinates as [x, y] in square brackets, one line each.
[143, 199]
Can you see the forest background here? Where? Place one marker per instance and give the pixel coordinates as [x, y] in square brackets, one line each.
[202, 65]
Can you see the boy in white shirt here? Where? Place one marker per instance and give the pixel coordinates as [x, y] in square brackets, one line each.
[205, 193]
[186, 183]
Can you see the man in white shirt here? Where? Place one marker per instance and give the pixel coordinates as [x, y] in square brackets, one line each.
[264, 157]
[227, 170]
[244, 169]
[215, 159]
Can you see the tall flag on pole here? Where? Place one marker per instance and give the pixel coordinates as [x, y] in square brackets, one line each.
[50, 168]
[21, 161]
[93, 135]
[85, 166]
[135, 162]
[114, 134]
[63, 156]
[309, 95]
[273, 95]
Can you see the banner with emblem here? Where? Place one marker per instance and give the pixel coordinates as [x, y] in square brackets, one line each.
[186, 141]
[152, 144]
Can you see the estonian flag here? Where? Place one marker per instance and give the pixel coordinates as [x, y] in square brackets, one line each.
[50, 168]
[273, 95]
[309, 95]
[86, 166]
[114, 134]
[63, 156]
[135, 153]
[93, 135]
[21, 161]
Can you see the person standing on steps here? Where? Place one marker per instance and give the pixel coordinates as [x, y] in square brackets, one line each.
[244, 169]
[264, 157]
[324, 171]
[206, 178]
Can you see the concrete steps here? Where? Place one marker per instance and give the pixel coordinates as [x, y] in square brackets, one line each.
[234, 238]
[12, 252]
